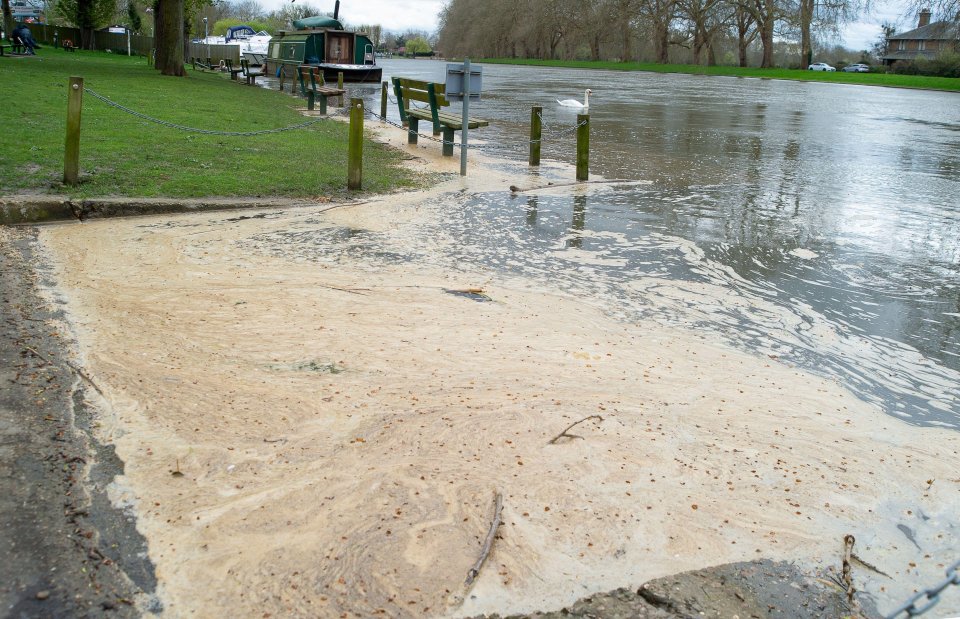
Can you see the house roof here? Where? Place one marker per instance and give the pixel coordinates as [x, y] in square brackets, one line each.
[938, 30]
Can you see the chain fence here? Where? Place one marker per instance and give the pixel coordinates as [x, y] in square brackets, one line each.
[344, 111]
[172, 125]
[928, 598]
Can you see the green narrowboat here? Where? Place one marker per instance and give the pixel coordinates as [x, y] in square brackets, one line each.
[323, 42]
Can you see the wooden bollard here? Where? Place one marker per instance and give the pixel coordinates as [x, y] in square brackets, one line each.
[583, 147]
[340, 86]
[283, 76]
[71, 151]
[383, 101]
[355, 153]
[536, 131]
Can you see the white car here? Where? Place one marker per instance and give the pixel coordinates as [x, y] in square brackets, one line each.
[821, 66]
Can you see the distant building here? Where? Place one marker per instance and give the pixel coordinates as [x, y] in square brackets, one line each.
[925, 41]
[27, 12]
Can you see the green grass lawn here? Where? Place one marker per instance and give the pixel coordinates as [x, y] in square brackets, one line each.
[122, 155]
[868, 79]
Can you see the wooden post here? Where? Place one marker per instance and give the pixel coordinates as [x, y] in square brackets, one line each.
[71, 151]
[383, 101]
[583, 147]
[283, 75]
[355, 154]
[340, 86]
[536, 131]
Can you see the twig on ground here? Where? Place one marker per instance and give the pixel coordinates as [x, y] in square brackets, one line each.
[350, 290]
[564, 433]
[77, 370]
[488, 542]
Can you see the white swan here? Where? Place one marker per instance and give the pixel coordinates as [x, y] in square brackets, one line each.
[575, 103]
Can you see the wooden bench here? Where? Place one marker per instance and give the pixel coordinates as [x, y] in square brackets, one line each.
[229, 68]
[250, 75]
[316, 88]
[408, 90]
[69, 46]
[15, 46]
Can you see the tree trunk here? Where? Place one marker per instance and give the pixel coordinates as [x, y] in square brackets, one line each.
[8, 24]
[169, 37]
[806, 46]
[662, 41]
[595, 47]
[698, 44]
[627, 35]
[766, 40]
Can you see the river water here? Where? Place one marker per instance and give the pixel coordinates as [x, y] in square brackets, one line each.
[818, 224]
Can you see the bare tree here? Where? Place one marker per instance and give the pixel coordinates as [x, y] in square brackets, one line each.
[246, 10]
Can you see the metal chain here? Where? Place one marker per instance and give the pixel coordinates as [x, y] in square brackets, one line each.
[474, 146]
[932, 595]
[194, 129]
[341, 112]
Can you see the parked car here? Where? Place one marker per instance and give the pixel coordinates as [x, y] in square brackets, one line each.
[856, 68]
[821, 66]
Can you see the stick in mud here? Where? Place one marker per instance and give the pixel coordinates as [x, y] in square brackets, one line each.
[554, 440]
[77, 370]
[488, 542]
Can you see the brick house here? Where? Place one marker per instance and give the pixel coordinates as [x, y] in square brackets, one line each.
[925, 41]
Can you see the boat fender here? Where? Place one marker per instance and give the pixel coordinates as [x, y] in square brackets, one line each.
[279, 69]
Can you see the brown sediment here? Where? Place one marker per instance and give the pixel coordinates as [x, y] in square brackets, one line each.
[338, 451]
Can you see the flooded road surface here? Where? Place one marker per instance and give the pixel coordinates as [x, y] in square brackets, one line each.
[815, 223]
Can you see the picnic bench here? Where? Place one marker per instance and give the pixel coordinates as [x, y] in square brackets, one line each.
[15, 46]
[312, 86]
[409, 90]
[69, 46]
[229, 68]
[250, 74]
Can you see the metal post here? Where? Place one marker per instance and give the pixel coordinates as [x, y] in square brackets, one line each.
[583, 147]
[383, 101]
[206, 40]
[71, 151]
[536, 131]
[355, 153]
[466, 118]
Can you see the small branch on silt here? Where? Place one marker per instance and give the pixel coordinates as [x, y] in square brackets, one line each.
[556, 438]
[77, 370]
[488, 542]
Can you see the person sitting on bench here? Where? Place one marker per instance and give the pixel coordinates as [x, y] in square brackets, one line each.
[21, 35]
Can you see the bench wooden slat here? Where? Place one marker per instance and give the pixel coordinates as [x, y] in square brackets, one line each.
[317, 87]
[407, 90]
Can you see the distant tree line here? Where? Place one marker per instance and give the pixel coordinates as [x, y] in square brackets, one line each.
[698, 31]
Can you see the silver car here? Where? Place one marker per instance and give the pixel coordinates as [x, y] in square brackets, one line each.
[856, 68]
[821, 66]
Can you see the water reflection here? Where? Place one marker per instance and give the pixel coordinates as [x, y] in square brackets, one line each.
[815, 223]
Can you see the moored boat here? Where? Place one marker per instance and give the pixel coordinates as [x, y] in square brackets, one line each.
[324, 42]
[253, 45]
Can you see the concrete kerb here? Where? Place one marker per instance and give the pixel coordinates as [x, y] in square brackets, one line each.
[32, 209]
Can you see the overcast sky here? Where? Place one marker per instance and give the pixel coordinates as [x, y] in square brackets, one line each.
[402, 15]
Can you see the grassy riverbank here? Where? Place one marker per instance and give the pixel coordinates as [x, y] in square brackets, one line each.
[866, 79]
[123, 155]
